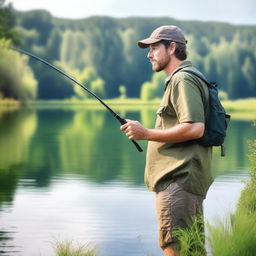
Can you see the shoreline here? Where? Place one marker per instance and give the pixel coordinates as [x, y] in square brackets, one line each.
[239, 109]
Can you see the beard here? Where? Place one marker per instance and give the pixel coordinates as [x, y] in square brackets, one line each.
[159, 65]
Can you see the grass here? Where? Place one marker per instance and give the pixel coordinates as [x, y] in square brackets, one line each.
[237, 235]
[191, 240]
[8, 102]
[242, 105]
[68, 248]
[232, 106]
[239, 109]
[234, 237]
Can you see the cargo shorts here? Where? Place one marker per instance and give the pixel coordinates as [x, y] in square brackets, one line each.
[175, 208]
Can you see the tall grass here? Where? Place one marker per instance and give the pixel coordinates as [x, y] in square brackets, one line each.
[68, 248]
[237, 236]
[191, 240]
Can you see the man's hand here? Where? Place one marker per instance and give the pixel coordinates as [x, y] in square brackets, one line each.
[134, 130]
[178, 133]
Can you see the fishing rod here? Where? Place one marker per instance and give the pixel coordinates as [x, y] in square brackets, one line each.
[119, 118]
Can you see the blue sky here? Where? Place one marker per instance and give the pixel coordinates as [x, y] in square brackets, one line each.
[231, 11]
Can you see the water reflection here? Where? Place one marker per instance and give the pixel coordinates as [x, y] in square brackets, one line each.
[236, 145]
[43, 150]
[48, 142]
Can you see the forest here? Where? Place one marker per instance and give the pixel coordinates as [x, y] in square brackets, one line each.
[102, 53]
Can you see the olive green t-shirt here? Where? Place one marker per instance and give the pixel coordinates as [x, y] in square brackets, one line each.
[188, 163]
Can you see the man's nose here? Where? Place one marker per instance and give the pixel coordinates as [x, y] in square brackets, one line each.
[150, 55]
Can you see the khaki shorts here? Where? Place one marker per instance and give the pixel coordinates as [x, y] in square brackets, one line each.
[175, 207]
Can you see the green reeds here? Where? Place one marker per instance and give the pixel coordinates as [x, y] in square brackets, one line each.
[191, 239]
[68, 248]
[237, 236]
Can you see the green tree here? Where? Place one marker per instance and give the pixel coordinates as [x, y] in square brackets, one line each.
[135, 62]
[67, 46]
[28, 37]
[154, 88]
[122, 90]
[147, 92]
[41, 21]
[54, 86]
[97, 87]
[53, 45]
[7, 22]
[248, 70]
[224, 53]
[106, 55]
[17, 82]
[91, 80]
[75, 49]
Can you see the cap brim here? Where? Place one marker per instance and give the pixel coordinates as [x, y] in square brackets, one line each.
[147, 42]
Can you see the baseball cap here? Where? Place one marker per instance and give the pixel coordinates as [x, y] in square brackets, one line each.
[168, 32]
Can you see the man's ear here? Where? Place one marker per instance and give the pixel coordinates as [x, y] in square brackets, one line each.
[172, 48]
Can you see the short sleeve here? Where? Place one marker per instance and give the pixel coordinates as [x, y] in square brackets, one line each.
[187, 102]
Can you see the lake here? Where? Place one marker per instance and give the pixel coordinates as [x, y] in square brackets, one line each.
[69, 173]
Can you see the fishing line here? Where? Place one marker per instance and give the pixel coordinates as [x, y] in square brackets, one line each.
[119, 118]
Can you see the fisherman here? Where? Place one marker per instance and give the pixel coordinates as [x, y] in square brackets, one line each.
[178, 168]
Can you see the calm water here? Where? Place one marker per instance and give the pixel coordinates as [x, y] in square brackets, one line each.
[70, 174]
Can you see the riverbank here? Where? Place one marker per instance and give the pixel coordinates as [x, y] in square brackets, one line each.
[239, 109]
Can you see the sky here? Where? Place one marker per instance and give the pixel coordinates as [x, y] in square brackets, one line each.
[231, 11]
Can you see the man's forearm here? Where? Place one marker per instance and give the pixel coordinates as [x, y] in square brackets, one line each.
[179, 133]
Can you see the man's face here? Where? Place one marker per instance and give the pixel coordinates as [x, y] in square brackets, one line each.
[159, 57]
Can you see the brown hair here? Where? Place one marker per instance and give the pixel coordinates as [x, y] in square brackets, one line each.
[180, 51]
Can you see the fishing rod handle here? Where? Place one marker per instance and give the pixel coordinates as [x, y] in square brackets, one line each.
[123, 121]
[137, 145]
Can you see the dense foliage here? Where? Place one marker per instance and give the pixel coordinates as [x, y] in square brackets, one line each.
[17, 82]
[16, 77]
[107, 47]
[7, 22]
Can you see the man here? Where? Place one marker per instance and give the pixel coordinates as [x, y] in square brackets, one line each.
[177, 166]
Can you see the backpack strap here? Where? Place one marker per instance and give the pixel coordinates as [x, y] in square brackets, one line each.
[197, 75]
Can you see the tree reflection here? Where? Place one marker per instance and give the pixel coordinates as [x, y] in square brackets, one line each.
[86, 141]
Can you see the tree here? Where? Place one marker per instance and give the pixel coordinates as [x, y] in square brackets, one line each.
[154, 88]
[248, 70]
[147, 92]
[97, 86]
[92, 81]
[41, 21]
[122, 91]
[224, 53]
[28, 37]
[7, 22]
[53, 45]
[17, 82]
[105, 53]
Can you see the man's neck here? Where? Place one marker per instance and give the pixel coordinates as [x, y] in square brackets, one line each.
[174, 64]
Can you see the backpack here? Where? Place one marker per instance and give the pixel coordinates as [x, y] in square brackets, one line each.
[217, 122]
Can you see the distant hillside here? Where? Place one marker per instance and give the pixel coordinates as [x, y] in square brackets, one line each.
[106, 48]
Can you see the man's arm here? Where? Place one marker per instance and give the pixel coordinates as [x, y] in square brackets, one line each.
[179, 133]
